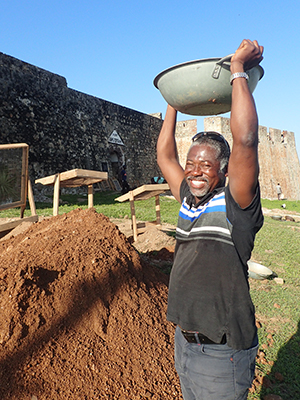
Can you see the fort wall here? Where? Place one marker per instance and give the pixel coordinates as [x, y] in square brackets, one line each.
[278, 158]
[67, 129]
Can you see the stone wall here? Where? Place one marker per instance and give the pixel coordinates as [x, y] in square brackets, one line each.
[185, 130]
[67, 129]
[278, 158]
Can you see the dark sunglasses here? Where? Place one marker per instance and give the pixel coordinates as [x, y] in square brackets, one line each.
[212, 135]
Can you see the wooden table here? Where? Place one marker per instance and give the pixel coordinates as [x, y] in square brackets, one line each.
[73, 178]
[143, 193]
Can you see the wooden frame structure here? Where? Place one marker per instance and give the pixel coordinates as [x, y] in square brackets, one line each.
[73, 178]
[143, 193]
[25, 191]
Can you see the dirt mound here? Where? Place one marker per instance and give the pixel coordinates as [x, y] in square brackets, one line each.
[82, 315]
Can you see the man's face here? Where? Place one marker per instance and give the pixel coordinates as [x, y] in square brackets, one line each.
[202, 170]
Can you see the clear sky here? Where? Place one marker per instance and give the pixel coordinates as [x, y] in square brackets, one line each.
[113, 49]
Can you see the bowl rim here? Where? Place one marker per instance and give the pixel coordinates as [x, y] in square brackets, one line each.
[215, 59]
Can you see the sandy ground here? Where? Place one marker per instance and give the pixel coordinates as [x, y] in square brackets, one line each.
[82, 314]
[83, 310]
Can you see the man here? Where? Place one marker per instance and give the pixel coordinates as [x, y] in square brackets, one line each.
[209, 301]
[279, 191]
[125, 186]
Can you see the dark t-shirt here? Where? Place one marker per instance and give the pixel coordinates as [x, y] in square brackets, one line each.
[123, 175]
[209, 290]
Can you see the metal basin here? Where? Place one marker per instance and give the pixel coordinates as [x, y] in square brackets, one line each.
[201, 87]
[258, 271]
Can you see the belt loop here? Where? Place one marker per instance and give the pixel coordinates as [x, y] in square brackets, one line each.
[197, 338]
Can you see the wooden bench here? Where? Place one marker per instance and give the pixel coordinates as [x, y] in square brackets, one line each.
[143, 193]
[73, 178]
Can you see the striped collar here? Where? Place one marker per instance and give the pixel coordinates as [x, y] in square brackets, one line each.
[190, 198]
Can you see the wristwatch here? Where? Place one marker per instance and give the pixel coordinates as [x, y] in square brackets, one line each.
[238, 75]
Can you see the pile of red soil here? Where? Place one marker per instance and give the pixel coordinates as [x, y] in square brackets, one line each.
[82, 316]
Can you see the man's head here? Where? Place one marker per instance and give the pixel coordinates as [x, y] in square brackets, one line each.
[207, 163]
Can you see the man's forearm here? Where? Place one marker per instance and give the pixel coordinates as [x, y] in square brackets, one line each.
[166, 145]
[243, 118]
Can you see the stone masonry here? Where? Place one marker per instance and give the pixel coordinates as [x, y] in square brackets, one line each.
[185, 130]
[67, 129]
[278, 156]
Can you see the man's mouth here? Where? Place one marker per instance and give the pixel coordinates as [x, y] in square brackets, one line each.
[197, 183]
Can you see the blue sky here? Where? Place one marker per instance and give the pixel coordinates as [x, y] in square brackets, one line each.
[113, 49]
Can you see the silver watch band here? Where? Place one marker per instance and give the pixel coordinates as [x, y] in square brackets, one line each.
[238, 75]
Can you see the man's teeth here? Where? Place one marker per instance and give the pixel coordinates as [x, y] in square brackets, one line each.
[197, 183]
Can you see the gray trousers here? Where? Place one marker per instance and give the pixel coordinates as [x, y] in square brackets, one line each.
[213, 372]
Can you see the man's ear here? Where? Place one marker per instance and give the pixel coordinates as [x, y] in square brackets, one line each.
[222, 177]
[225, 170]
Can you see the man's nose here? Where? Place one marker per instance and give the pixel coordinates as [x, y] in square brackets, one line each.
[197, 169]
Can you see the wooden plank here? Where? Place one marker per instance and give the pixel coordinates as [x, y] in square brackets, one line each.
[12, 146]
[117, 185]
[133, 217]
[74, 178]
[31, 199]
[157, 209]
[90, 196]
[104, 185]
[56, 195]
[150, 188]
[24, 178]
[8, 226]
[11, 205]
[145, 192]
[82, 173]
[47, 180]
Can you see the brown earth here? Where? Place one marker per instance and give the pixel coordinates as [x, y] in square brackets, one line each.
[83, 311]
[82, 314]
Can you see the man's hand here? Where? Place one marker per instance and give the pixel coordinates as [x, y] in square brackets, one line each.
[247, 56]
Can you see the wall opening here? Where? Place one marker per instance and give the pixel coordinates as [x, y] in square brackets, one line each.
[115, 164]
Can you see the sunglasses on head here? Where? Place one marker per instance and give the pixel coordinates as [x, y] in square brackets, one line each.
[211, 135]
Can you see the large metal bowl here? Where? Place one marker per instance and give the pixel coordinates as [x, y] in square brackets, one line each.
[201, 87]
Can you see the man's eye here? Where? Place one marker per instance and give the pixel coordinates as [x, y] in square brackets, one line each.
[206, 166]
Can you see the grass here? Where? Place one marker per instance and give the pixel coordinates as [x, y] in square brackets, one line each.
[104, 202]
[277, 306]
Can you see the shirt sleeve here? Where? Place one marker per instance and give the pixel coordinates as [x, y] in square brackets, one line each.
[184, 190]
[244, 223]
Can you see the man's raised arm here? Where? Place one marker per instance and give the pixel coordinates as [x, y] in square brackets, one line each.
[167, 157]
[243, 165]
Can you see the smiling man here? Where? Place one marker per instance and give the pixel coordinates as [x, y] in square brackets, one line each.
[209, 301]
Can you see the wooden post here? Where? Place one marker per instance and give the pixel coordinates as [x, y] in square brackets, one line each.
[24, 178]
[133, 217]
[31, 199]
[157, 209]
[90, 196]
[56, 195]
[22, 209]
